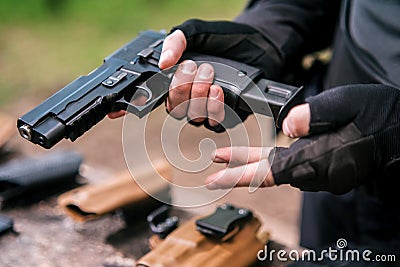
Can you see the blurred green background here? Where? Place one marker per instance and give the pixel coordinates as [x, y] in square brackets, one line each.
[45, 44]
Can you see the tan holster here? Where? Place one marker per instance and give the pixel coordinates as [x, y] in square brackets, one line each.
[186, 247]
[93, 200]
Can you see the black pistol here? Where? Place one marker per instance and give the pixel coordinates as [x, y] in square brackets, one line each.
[111, 87]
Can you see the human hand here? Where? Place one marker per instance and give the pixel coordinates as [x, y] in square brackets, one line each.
[349, 136]
[191, 94]
[344, 142]
[245, 166]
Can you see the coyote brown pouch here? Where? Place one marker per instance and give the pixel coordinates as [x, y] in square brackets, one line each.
[94, 200]
[199, 243]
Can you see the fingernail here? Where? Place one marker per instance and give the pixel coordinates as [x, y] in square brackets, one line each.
[165, 56]
[205, 71]
[214, 92]
[285, 129]
[212, 185]
[188, 67]
[215, 158]
[213, 123]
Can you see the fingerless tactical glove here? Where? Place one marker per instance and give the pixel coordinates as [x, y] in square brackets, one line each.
[355, 138]
[234, 41]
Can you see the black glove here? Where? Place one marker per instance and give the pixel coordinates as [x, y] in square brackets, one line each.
[234, 41]
[355, 139]
[271, 35]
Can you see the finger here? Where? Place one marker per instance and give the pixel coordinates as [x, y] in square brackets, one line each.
[173, 47]
[215, 105]
[253, 173]
[297, 122]
[197, 111]
[179, 94]
[240, 155]
[116, 114]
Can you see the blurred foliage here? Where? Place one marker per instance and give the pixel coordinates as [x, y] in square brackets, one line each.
[45, 44]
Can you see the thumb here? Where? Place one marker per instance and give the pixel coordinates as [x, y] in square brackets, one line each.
[173, 47]
[324, 112]
[297, 122]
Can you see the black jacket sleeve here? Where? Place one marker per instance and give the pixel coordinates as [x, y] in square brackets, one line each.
[294, 27]
[272, 35]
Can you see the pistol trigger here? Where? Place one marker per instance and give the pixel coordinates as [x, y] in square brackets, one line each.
[138, 101]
